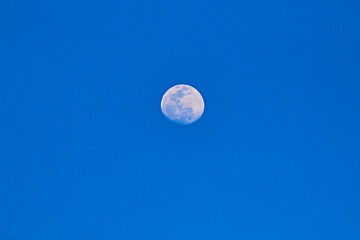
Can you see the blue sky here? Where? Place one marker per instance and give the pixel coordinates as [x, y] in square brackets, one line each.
[85, 152]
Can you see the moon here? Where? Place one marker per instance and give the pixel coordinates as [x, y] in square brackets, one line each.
[182, 104]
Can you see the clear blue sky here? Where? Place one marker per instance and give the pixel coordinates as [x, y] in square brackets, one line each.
[85, 152]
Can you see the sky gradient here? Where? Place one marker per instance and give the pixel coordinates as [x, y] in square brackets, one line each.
[86, 153]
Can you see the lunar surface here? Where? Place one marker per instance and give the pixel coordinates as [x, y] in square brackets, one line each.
[182, 104]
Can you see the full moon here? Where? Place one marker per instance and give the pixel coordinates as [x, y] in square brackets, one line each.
[182, 104]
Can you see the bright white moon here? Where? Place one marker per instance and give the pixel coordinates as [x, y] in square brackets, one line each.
[182, 104]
